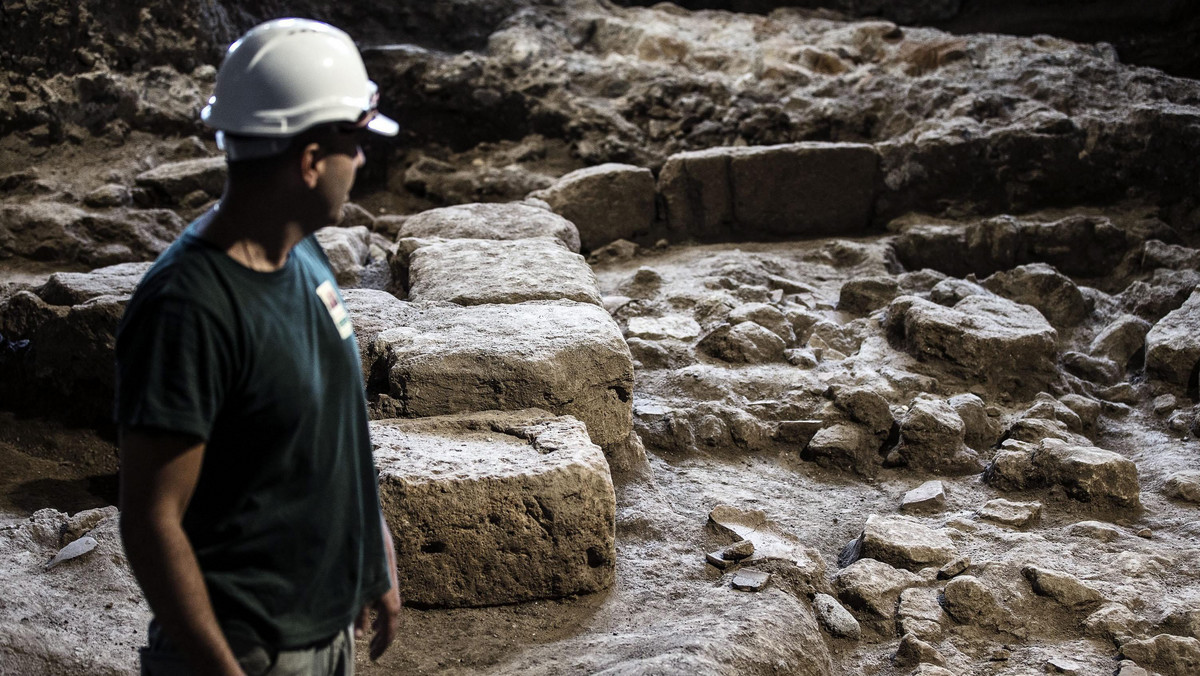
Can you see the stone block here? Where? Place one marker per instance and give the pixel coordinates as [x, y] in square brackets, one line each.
[347, 249]
[477, 272]
[426, 359]
[491, 221]
[799, 189]
[606, 203]
[495, 507]
[903, 542]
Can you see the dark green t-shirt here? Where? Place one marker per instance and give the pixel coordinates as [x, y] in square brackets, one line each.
[264, 368]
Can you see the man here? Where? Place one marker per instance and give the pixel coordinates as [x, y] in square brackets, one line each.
[250, 511]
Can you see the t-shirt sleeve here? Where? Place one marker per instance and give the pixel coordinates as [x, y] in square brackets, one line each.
[173, 368]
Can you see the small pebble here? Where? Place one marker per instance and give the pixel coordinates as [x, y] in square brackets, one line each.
[1145, 533]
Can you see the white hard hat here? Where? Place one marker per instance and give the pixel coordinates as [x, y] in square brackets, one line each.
[286, 76]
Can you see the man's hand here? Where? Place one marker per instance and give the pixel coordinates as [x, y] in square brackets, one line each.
[386, 607]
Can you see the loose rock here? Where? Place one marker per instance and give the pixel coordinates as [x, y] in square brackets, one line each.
[835, 619]
[1015, 514]
[1173, 345]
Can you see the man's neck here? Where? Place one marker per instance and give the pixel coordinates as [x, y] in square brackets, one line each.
[252, 233]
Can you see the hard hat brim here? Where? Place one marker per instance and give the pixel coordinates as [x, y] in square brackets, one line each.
[383, 125]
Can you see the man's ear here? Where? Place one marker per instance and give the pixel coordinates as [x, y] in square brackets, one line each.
[310, 164]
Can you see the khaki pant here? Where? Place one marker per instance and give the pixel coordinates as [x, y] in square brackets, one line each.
[334, 657]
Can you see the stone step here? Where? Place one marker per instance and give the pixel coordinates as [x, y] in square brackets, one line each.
[495, 507]
[492, 221]
[478, 272]
[429, 359]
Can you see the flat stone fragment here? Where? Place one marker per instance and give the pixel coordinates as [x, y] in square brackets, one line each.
[1015, 514]
[606, 202]
[835, 618]
[1062, 665]
[1094, 529]
[954, 568]
[750, 579]
[1183, 485]
[729, 555]
[477, 271]
[81, 615]
[424, 359]
[794, 189]
[929, 496]
[679, 327]
[1062, 587]
[904, 543]
[495, 507]
[491, 221]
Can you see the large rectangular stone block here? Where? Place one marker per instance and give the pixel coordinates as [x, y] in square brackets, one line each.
[428, 359]
[496, 507]
[770, 192]
[479, 271]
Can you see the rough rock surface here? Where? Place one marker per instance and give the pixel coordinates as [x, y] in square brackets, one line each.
[902, 542]
[1086, 473]
[873, 586]
[1173, 345]
[85, 615]
[1000, 341]
[48, 231]
[606, 202]
[788, 190]
[1043, 287]
[834, 618]
[477, 272]
[932, 437]
[1170, 655]
[491, 221]
[427, 359]
[496, 507]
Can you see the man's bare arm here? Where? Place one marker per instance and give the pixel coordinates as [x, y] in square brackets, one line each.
[159, 472]
[386, 607]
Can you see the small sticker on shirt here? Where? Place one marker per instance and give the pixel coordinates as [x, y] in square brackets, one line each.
[337, 311]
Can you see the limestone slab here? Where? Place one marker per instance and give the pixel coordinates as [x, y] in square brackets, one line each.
[427, 359]
[477, 272]
[491, 221]
[495, 507]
